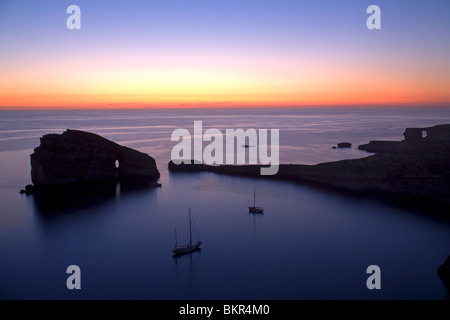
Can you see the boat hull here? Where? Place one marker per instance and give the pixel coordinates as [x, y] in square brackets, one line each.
[186, 248]
[255, 210]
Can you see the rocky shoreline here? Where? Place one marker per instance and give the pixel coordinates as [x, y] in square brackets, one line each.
[417, 167]
[81, 164]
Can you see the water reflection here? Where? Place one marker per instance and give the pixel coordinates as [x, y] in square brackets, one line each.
[256, 217]
[64, 199]
[85, 199]
[186, 266]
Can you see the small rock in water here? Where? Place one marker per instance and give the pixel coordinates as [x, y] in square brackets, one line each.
[29, 189]
[344, 145]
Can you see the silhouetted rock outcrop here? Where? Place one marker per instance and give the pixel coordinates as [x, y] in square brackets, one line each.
[376, 146]
[344, 145]
[418, 169]
[414, 137]
[29, 189]
[444, 273]
[82, 157]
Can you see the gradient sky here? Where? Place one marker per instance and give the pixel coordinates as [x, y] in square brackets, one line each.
[223, 53]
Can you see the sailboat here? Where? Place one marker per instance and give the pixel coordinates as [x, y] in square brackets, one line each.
[254, 208]
[186, 248]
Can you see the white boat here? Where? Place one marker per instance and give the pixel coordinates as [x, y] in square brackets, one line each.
[190, 247]
[254, 208]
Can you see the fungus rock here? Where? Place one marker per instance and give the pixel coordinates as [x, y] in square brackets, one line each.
[78, 157]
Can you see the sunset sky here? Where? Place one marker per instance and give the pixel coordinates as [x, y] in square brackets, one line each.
[223, 53]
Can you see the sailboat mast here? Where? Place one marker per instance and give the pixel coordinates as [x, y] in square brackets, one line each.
[254, 197]
[176, 244]
[190, 228]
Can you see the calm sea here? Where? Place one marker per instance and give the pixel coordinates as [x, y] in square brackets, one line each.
[309, 243]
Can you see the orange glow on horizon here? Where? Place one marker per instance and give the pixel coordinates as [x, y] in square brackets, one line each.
[207, 83]
[76, 102]
[269, 56]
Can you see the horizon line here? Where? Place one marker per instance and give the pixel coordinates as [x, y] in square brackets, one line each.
[325, 106]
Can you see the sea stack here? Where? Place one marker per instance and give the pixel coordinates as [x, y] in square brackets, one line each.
[82, 157]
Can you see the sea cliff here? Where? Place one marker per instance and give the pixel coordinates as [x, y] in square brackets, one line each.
[418, 166]
[83, 157]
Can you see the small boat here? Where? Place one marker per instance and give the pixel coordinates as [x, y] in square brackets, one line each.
[190, 247]
[254, 208]
[155, 184]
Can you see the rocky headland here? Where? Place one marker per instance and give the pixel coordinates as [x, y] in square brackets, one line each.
[417, 167]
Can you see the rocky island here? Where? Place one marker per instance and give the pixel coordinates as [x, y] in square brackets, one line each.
[417, 167]
[77, 157]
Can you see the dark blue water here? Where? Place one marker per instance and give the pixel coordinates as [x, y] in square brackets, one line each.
[309, 244]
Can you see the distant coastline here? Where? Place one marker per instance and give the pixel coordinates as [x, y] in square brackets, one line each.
[417, 167]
